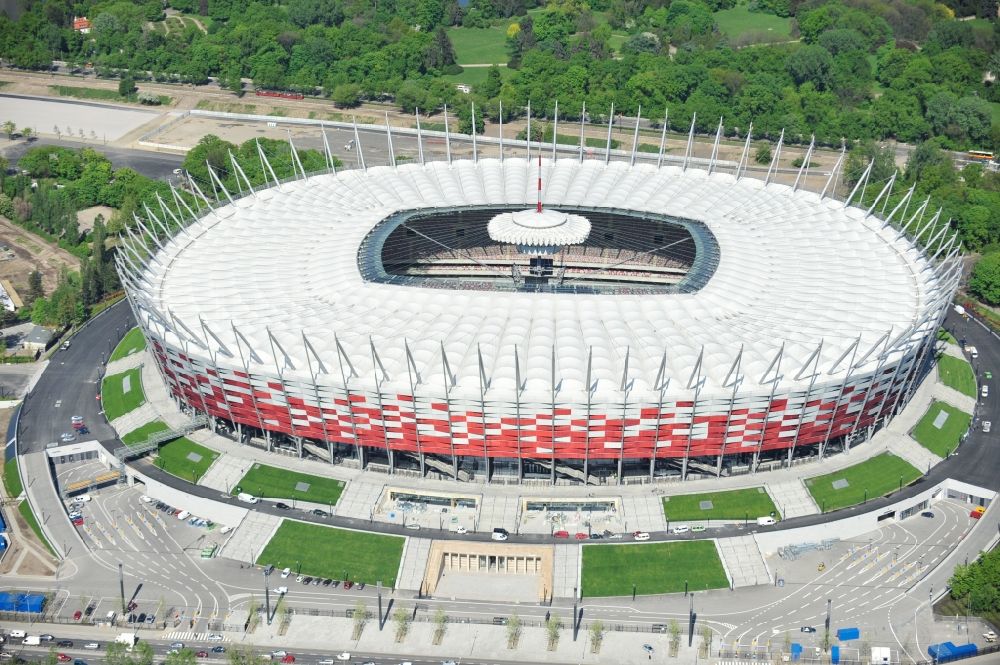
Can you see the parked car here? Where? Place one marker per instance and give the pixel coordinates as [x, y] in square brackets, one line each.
[320, 513]
[348, 584]
[343, 656]
[279, 653]
[92, 645]
[288, 659]
[679, 529]
[142, 618]
[176, 645]
[987, 426]
[697, 528]
[202, 654]
[640, 535]
[597, 536]
[89, 610]
[219, 649]
[561, 534]
[65, 644]
[413, 526]
[286, 572]
[581, 536]
[306, 581]
[282, 506]
[63, 658]
[151, 619]
[990, 636]
[327, 582]
[317, 581]
[76, 419]
[77, 615]
[927, 513]
[66, 437]
[807, 629]
[361, 586]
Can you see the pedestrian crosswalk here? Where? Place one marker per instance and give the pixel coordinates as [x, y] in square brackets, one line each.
[743, 662]
[193, 636]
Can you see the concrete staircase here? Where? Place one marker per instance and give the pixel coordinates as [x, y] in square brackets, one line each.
[792, 499]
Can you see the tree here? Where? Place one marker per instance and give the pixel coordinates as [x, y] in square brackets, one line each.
[552, 627]
[126, 86]
[811, 64]
[361, 616]
[490, 87]
[34, 286]
[9, 128]
[26, 133]
[181, 657]
[985, 284]
[513, 631]
[763, 154]
[440, 625]
[401, 617]
[245, 656]
[596, 635]
[346, 95]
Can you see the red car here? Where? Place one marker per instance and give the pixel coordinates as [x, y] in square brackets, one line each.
[289, 658]
[348, 584]
[581, 536]
[78, 521]
[561, 534]
[63, 658]
[202, 654]
[77, 615]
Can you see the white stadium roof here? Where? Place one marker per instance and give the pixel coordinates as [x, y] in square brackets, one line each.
[794, 270]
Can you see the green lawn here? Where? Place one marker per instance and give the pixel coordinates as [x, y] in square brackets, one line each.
[116, 402]
[941, 441]
[108, 94]
[29, 517]
[471, 76]
[995, 108]
[11, 479]
[140, 434]
[879, 475]
[275, 483]
[957, 373]
[479, 45]
[173, 458]
[946, 336]
[739, 20]
[336, 553]
[611, 570]
[132, 342]
[748, 503]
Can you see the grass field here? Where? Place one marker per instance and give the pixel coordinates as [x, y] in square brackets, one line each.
[877, 476]
[336, 553]
[479, 45]
[132, 342]
[271, 482]
[140, 434]
[118, 403]
[611, 570]
[957, 373]
[942, 442]
[946, 336]
[472, 76]
[173, 459]
[11, 479]
[29, 517]
[740, 20]
[748, 503]
[107, 94]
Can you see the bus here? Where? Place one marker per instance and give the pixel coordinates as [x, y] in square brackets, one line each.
[981, 155]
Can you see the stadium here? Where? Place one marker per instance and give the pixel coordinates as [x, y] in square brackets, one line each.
[631, 321]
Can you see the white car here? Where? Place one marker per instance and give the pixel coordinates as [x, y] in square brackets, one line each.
[300, 578]
[92, 646]
[76, 419]
[985, 392]
[177, 171]
[66, 437]
[616, 536]
[281, 590]
[146, 499]
[640, 535]
[987, 425]
[325, 661]
[680, 528]
[214, 638]
[343, 656]
[83, 498]
[990, 636]
[286, 572]
[413, 526]
[461, 531]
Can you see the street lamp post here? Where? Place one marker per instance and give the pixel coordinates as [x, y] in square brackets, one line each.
[866, 495]
[633, 591]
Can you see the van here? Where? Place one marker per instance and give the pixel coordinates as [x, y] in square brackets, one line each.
[19, 634]
[500, 534]
[985, 391]
[32, 641]
[766, 521]
[247, 498]
[973, 352]
[183, 515]
[110, 617]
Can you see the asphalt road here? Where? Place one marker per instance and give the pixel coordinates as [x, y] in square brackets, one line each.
[157, 165]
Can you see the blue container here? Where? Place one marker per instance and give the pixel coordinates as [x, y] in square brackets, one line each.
[844, 634]
[834, 655]
[796, 651]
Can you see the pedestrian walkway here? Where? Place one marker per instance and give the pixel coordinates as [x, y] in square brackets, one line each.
[130, 361]
[414, 564]
[359, 498]
[955, 398]
[792, 498]
[565, 570]
[134, 419]
[743, 560]
[911, 451]
[225, 472]
[250, 537]
[644, 512]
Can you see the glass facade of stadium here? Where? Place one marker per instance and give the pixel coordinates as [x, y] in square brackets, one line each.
[507, 440]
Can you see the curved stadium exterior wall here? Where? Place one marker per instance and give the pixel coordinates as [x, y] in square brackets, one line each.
[815, 326]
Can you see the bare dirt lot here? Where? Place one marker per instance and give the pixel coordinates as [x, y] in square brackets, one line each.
[31, 253]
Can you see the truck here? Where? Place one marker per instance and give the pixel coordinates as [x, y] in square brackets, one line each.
[128, 639]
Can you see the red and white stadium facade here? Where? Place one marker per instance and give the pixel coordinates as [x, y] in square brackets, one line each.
[814, 328]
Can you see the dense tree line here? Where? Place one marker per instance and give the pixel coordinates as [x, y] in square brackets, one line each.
[977, 585]
[861, 69]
